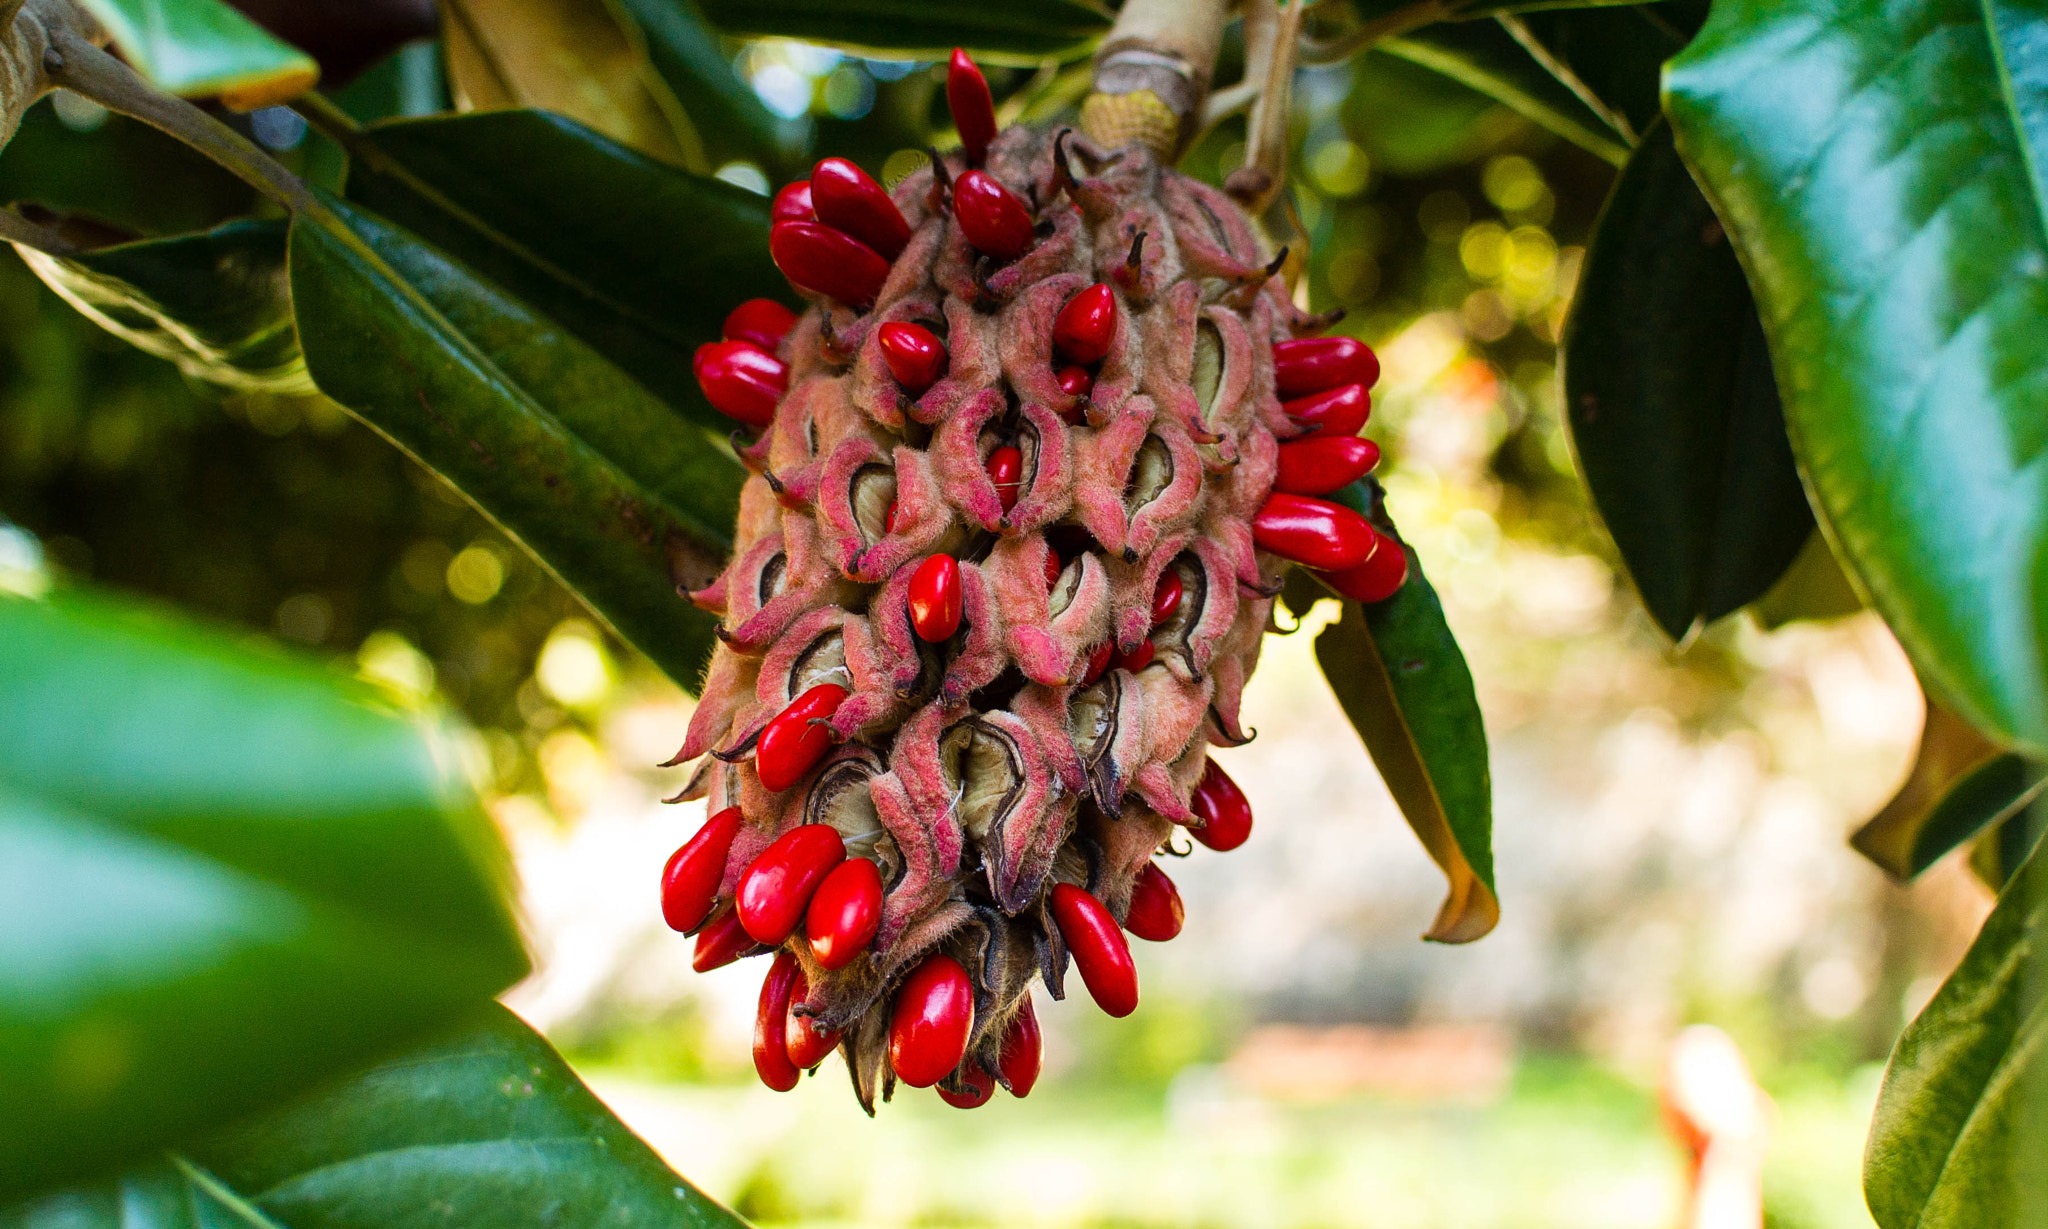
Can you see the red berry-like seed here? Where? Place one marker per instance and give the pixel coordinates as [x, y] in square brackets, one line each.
[1166, 595]
[1156, 913]
[797, 738]
[1337, 413]
[847, 198]
[991, 216]
[1378, 578]
[973, 107]
[1074, 381]
[1023, 1052]
[1135, 660]
[1006, 471]
[889, 518]
[793, 204]
[1098, 662]
[1098, 948]
[935, 598]
[689, 883]
[776, 888]
[1053, 567]
[981, 1084]
[844, 913]
[828, 262]
[740, 380]
[1319, 466]
[771, 1049]
[721, 942]
[931, 1021]
[1311, 364]
[1225, 811]
[759, 322]
[806, 1046]
[1086, 325]
[913, 353]
[1315, 532]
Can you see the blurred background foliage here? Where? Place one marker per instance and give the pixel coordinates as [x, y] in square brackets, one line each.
[1670, 823]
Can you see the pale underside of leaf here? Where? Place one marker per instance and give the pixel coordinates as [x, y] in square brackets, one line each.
[204, 47]
[1950, 749]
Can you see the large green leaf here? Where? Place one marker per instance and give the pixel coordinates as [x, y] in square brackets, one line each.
[1402, 680]
[1611, 57]
[216, 303]
[1672, 407]
[724, 113]
[1878, 168]
[204, 47]
[225, 875]
[639, 260]
[1485, 57]
[122, 175]
[1959, 785]
[608, 490]
[486, 1127]
[927, 29]
[1960, 1140]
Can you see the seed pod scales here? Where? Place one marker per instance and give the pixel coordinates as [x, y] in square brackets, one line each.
[981, 770]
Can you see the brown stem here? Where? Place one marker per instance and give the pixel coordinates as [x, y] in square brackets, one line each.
[1152, 74]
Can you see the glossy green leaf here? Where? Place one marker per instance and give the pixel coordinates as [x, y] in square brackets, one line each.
[485, 1127]
[216, 303]
[1485, 57]
[1402, 680]
[1673, 410]
[639, 260]
[123, 176]
[1881, 185]
[1960, 784]
[1960, 1139]
[197, 47]
[923, 29]
[724, 113]
[593, 476]
[1612, 58]
[225, 874]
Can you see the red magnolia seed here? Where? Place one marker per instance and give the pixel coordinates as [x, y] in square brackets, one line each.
[759, 322]
[1135, 660]
[1336, 413]
[827, 261]
[1378, 578]
[1225, 811]
[1315, 532]
[1023, 1052]
[807, 1047]
[1006, 471]
[1086, 325]
[721, 943]
[935, 598]
[990, 215]
[1053, 567]
[771, 1050]
[1074, 381]
[689, 883]
[981, 1084]
[1166, 595]
[1156, 913]
[796, 738]
[931, 1021]
[847, 198]
[793, 203]
[740, 380]
[1319, 466]
[1098, 947]
[776, 889]
[914, 354]
[974, 109]
[1098, 662]
[844, 913]
[1311, 364]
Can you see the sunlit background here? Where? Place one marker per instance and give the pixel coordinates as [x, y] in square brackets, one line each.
[1669, 825]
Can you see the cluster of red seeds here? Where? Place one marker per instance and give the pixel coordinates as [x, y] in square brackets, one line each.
[837, 236]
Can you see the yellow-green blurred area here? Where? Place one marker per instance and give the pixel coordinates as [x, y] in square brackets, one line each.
[1670, 826]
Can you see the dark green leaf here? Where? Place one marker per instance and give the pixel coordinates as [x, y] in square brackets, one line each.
[1873, 170]
[224, 875]
[576, 462]
[1467, 10]
[724, 112]
[923, 29]
[1612, 58]
[216, 304]
[1814, 587]
[1485, 57]
[122, 175]
[199, 47]
[1671, 402]
[487, 1127]
[1960, 1140]
[639, 260]
[1960, 784]
[1401, 679]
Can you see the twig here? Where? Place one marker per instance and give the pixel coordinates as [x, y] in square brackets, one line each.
[1264, 172]
[1351, 42]
[48, 240]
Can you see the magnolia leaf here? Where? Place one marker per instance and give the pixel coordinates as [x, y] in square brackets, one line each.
[1814, 587]
[204, 47]
[1024, 31]
[1401, 679]
[1879, 170]
[226, 874]
[1484, 57]
[717, 114]
[1960, 783]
